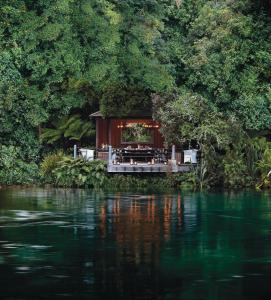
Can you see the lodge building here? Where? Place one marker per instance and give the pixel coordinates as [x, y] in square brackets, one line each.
[123, 132]
[134, 144]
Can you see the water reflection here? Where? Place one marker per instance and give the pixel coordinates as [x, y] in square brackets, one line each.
[133, 230]
[89, 245]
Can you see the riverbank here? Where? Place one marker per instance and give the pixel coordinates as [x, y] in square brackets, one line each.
[110, 182]
[61, 170]
[126, 183]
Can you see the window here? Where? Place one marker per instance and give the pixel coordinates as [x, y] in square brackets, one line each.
[137, 133]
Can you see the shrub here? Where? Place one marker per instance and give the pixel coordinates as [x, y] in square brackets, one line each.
[49, 164]
[264, 164]
[235, 170]
[79, 173]
[264, 167]
[189, 180]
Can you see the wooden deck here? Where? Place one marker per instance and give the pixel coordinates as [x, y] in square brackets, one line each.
[145, 168]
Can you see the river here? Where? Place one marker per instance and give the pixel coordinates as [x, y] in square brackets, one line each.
[79, 244]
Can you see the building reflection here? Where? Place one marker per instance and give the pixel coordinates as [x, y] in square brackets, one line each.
[137, 224]
[134, 230]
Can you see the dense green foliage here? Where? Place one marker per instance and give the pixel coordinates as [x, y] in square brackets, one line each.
[14, 170]
[203, 65]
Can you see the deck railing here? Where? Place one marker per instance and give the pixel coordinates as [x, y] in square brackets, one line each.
[156, 155]
[137, 160]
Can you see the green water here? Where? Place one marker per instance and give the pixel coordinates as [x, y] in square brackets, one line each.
[75, 244]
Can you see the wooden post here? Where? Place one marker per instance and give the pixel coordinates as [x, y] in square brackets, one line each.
[74, 151]
[173, 159]
[110, 154]
[97, 133]
[173, 153]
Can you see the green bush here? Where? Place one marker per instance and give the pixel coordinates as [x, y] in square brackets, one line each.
[78, 172]
[13, 170]
[236, 170]
[49, 164]
[264, 164]
[264, 167]
[189, 180]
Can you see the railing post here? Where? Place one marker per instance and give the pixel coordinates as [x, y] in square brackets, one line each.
[173, 153]
[74, 151]
[110, 154]
[173, 159]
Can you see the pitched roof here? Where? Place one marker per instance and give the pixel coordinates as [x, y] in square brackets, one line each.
[96, 114]
[134, 114]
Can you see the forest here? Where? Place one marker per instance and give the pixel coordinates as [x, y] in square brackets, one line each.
[204, 67]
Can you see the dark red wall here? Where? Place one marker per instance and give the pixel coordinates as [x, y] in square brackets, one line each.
[101, 132]
[107, 132]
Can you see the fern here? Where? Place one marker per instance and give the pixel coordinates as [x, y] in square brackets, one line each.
[68, 127]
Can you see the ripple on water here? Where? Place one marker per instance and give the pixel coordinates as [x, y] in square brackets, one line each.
[8, 245]
[59, 276]
[237, 276]
[40, 247]
[23, 269]
[12, 246]
[224, 280]
[18, 218]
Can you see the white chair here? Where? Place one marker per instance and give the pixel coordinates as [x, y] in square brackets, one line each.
[190, 156]
[87, 154]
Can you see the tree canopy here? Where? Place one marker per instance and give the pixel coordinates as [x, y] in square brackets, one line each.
[65, 57]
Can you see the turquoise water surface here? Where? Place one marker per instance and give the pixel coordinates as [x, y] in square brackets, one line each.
[77, 244]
